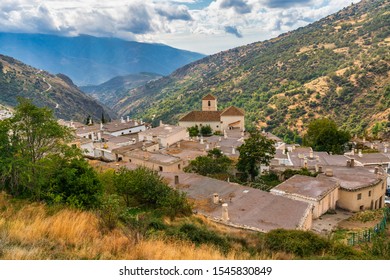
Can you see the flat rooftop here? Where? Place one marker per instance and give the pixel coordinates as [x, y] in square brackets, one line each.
[353, 178]
[248, 207]
[154, 157]
[165, 130]
[306, 186]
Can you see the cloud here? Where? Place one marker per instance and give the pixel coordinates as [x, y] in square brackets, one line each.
[285, 3]
[233, 30]
[174, 12]
[239, 6]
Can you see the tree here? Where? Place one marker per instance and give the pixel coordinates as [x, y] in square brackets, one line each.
[73, 182]
[214, 163]
[256, 150]
[206, 130]
[144, 187]
[193, 131]
[323, 135]
[27, 138]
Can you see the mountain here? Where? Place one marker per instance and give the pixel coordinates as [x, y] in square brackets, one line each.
[337, 67]
[90, 60]
[112, 91]
[44, 89]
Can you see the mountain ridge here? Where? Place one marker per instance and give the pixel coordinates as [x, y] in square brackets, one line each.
[89, 60]
[56, 92]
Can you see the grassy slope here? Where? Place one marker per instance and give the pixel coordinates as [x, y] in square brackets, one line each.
[337, 67]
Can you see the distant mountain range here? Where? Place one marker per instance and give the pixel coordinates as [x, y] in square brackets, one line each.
[57, 92]
[90, 60]
[112, 91]
[338, 67]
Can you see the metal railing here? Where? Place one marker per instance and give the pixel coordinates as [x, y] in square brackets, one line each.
[367, 235]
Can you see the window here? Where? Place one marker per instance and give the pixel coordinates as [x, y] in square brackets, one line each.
[361, 207]
[359, 196]
[178, 166]
[209, 103]
[160, 168]
[129, 160]
[369, 193]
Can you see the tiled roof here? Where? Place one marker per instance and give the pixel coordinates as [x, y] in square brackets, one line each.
[202, 116]
[232, 111]
[209, 97]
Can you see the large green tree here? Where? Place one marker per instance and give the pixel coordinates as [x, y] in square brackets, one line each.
[35, 160]
[214, 163]
[257, 150]
[324, 135]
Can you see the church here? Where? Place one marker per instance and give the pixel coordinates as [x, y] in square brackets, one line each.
[230, 118]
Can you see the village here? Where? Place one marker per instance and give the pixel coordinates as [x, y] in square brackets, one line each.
[352, 182]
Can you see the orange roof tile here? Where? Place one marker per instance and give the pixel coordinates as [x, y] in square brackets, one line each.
[209, 97]
[232, 111]
[202, 116]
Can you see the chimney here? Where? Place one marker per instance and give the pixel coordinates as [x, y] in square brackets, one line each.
[215, 198]
[161, 123]
[364, 139]
[293, 147]
[207, 147]
[225, 214]
[201, 140]
[319, 169]
[385, 150]
[225, 134]
[220, 139]
[233, 151]
[352, 162]
[122, 120]
[176, 179]
[360, 153]
[348, 163]
[127, 119]
[329, 172]
[376, 170]
[311, 154]
[305, 163]
[178, 144]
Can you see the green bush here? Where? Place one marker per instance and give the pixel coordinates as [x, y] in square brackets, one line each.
[301, 243]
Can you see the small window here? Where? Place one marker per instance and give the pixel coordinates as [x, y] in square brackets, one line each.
[129, 160]
[160, 168]
[217, 126]
[178, 166]
[369, 193]
[361, 207]
[359, 196]
[209, 103]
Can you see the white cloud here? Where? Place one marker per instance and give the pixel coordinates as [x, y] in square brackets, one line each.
[233, 22]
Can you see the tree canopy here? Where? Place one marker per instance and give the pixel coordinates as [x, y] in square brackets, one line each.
[214, 163]
[255, 151]
[323, 135]
[36, 162]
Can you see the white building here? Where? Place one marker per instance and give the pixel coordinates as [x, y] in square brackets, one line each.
[166, 135]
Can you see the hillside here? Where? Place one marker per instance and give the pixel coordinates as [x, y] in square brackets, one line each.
[55, 92]
[337, 67]
[112, 91]
[90, 60]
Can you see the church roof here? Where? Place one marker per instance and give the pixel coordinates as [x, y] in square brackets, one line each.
[232, 111]
[209, 97]
[202, 116]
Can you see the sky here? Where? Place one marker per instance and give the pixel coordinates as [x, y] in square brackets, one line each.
[205, 26]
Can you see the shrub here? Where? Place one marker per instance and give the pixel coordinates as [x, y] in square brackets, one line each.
[300, 243]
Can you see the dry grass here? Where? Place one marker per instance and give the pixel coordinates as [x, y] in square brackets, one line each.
[31, 232]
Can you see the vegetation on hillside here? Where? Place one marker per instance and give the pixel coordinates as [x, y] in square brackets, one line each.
[337, 67]
[46, 90]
